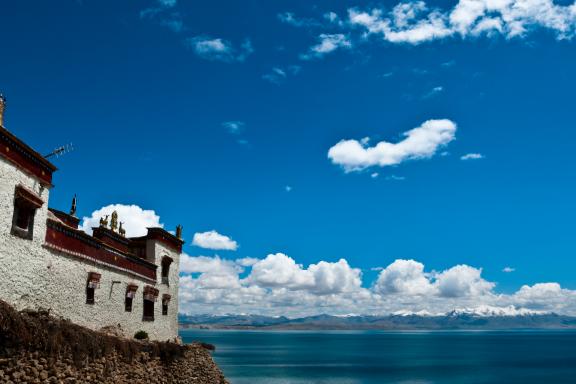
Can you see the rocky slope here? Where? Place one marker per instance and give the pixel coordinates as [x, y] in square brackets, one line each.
[38, 348]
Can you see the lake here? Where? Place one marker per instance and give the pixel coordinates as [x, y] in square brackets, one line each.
[369, 357]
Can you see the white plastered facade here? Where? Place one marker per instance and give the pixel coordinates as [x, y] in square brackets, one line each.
[34, 276]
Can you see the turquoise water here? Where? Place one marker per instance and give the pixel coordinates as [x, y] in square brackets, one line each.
[372, 357]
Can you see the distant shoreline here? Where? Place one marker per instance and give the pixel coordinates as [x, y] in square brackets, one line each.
[453, 322]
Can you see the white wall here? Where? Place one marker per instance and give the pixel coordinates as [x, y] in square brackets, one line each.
[33, 276]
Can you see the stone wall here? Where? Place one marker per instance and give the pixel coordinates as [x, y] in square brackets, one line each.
[38, 348]
[195, 366]
[33, 276]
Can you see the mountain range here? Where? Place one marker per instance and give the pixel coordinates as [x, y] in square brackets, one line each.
[479, 318]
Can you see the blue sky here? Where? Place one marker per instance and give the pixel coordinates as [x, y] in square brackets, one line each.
[220, 116]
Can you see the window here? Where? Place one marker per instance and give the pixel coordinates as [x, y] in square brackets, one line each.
[165, 302]
[148, 310]
[130, 293]
[150, 297]
[128, 304]
[89, 295]
[25, 205]
[91, 285]
[166, 261]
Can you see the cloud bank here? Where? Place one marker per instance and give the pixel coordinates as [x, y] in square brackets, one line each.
[278, 285]
[416, 22]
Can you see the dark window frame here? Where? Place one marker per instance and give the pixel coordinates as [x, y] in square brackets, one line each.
[90, 294]
[148, 310]
[128, 304]
[165, 270]
[23, 218]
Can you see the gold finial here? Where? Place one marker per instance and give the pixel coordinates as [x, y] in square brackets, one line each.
[2, 107]
[104, 221]
[114, 221]
[73, 207]
[179, 231]
[121, 230]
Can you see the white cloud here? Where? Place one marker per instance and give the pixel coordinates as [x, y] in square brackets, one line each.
[168, 3]
[278, 285]
[462, 280]
[508, 269]
[207, 264]
[404, 276]
[288, 188]
[416, 23]
[214, 240]
[234, 127]
[546, 296]
[433, 92]
[472, 156]
[278, 75]
[279, 270]
[218, 49]
[327, 43]
[164, 14]
[135, 219]
[333, 18]
[291, 19]
[374, 175]
[419, 143]
[247, 261]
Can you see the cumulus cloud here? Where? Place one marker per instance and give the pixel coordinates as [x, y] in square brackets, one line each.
[419, 143]
[327, 43]
[546, 296]
[217, 49]
[508, 269]
[407, 277]
[462, 280]
[214, 240]
[279, 285]
[404, 276]
[416, 22]
[281, 271]
[472, 156]
[135, 220]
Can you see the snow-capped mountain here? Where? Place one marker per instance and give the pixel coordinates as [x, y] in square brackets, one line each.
[479, 318]
[489, 311]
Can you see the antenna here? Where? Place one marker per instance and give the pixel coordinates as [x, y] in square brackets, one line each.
[60, 151]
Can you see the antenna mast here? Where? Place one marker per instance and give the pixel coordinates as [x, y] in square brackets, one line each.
[60, 151]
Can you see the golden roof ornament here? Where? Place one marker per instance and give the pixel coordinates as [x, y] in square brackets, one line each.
[104, 221]
[179, 231]
[73, 207]
[114, 221]
[2, 107]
